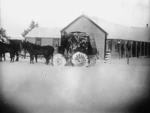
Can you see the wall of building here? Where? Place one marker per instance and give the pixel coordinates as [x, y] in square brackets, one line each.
[32, 40]
[45, 41]
[84, 25]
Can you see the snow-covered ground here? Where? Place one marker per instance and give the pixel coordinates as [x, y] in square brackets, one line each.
[102, 88]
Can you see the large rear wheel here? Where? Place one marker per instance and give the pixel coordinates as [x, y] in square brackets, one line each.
[59, 60]
[79, 59]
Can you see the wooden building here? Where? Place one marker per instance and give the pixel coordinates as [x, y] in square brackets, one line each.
[44, 36]
[107, 36]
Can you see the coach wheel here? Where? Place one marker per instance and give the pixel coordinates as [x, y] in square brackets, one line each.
[80, 59]
[59, 60]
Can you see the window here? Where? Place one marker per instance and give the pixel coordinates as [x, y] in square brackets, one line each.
[55, 42]
[38, 41]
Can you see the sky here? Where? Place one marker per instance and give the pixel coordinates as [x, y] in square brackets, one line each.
[16, 15]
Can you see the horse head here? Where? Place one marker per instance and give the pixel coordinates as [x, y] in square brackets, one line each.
[25, 45]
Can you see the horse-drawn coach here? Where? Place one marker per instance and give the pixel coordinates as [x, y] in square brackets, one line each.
[75, 49]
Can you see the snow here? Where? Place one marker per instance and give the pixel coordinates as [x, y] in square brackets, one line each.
[102, 88]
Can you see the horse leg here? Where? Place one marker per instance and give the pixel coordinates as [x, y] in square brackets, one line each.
[36, 58]
[12, 58]
[0, 57]
[25, 54]
[51, 57]
[12, 55]
[4, 57]
[47, 60]
[30, 58]
[33, 59]
[17, 54]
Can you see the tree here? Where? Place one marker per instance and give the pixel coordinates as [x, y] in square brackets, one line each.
[33, 25]
[25, 32]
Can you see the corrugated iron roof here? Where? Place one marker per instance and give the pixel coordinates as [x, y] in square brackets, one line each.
[17, 38]
[43, 32]
[116, 31]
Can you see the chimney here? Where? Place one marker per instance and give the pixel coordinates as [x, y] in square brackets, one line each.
[147, 25]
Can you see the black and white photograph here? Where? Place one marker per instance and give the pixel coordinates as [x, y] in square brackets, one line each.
[74, 56]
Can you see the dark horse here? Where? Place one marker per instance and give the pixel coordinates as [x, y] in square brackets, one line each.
[35, 50]
[17, 45]
[13, 46]
[7, 48]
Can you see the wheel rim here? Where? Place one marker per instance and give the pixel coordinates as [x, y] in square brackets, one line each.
[59, 60]
[79, 59]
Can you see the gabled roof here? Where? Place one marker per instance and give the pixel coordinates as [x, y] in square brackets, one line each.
[78, 19]
[116, 31]
[42, 32]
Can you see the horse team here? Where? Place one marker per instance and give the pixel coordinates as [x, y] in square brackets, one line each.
[14, 48]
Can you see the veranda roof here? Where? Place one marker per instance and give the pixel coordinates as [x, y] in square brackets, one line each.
[116, 31]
